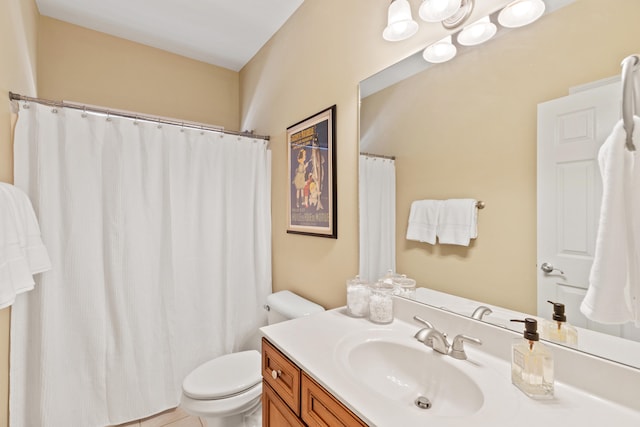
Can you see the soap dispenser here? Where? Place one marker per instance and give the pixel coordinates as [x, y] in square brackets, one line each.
[532, 363]
[559, 330]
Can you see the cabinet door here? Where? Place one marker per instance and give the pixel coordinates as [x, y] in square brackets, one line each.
[276, 413]
[282, 375]
[321, 409]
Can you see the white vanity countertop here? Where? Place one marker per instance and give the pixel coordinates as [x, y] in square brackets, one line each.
[316, 344]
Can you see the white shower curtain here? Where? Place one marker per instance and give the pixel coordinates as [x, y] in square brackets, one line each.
[160, 243]
[377, 182]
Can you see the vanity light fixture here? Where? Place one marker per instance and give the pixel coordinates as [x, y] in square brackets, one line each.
[452, 15]
[478, 32]
[438, 10]
[441, 51]
[520, 13]
[400, 24]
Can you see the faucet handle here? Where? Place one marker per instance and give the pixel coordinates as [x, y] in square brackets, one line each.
[424, 322]
[457, 348]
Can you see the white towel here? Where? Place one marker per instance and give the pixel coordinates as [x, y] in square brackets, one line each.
[22, 252]
[458, 222]
[423, 221]
[614, 282]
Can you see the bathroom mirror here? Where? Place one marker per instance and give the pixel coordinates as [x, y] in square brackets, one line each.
[468, 129]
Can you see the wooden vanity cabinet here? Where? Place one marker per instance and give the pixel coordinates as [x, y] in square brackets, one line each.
[290, 397]
[275, 412]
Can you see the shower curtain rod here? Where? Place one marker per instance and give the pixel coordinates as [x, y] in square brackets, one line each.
[378, 156]
[135, 116]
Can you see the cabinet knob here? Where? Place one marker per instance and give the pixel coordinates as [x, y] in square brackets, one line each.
[275, 374]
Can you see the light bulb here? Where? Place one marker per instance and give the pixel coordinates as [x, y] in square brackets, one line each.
[521, 13]
[400, 24]
[441, 51]
[478, 32]
[438, 10]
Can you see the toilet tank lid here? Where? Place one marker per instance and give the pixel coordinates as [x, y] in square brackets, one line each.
[224, 376]
[291, 305]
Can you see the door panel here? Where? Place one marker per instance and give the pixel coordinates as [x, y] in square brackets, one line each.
[570, 132]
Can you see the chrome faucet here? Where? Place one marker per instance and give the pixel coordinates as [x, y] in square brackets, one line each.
[431, 337]
[421, 335]
[437, 341]
[480, 312]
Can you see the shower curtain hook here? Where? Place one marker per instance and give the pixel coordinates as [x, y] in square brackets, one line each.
[182, 127]
[108, 116]
[84, 111]
[159, 125]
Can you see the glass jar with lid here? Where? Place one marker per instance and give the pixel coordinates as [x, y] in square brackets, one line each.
[381, 303]
[404, 286]
[358, 297]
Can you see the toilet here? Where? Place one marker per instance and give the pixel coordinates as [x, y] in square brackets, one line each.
[227, 391]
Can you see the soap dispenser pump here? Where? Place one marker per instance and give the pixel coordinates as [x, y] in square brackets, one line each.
[559, 330]
[532, 363]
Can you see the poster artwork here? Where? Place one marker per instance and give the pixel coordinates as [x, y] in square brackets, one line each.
[309, 183]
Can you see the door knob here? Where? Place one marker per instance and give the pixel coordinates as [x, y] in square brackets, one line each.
[548, 268]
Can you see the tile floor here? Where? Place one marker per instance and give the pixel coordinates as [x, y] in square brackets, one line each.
[171, 418]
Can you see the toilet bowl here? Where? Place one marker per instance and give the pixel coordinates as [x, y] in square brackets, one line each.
[227, 391]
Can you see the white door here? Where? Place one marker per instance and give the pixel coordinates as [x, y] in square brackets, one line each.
[570, 132]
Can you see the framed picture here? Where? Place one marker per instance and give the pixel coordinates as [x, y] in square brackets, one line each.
[311, 160]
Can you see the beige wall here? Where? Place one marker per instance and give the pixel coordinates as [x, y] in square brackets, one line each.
[468, 129]
[316, 60]
[77, 64]
[18, 36]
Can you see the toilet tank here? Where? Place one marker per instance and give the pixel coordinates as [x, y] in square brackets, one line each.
[285, 305]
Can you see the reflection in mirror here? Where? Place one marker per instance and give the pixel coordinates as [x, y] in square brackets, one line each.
[468, 129]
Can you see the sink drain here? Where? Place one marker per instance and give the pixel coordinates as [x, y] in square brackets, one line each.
[423, 403]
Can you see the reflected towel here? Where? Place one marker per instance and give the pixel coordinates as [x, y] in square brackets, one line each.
[458, 222]
[613, 296]
[423, 220]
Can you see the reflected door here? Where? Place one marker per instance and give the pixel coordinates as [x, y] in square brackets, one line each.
[570, 132]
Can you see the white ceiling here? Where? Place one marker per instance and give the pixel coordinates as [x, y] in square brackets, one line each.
[227, 33]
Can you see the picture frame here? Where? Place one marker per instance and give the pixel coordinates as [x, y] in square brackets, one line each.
[312, 186]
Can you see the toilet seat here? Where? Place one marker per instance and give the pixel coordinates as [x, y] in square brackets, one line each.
[224, 376]
[237, 404]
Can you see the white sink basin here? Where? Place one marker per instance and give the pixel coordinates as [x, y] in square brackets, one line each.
[403, 372]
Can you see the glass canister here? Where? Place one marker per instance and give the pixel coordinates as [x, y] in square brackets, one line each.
[381, 303]
[389, 277]
[358, 297]
[404, 287]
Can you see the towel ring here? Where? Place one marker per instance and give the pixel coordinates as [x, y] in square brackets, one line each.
[628, 67]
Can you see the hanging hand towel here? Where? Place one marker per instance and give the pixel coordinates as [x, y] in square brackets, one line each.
[458, 222]
[423, 221]
[22, 252]
[31, 243]
[614, 282]
[14, 270]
